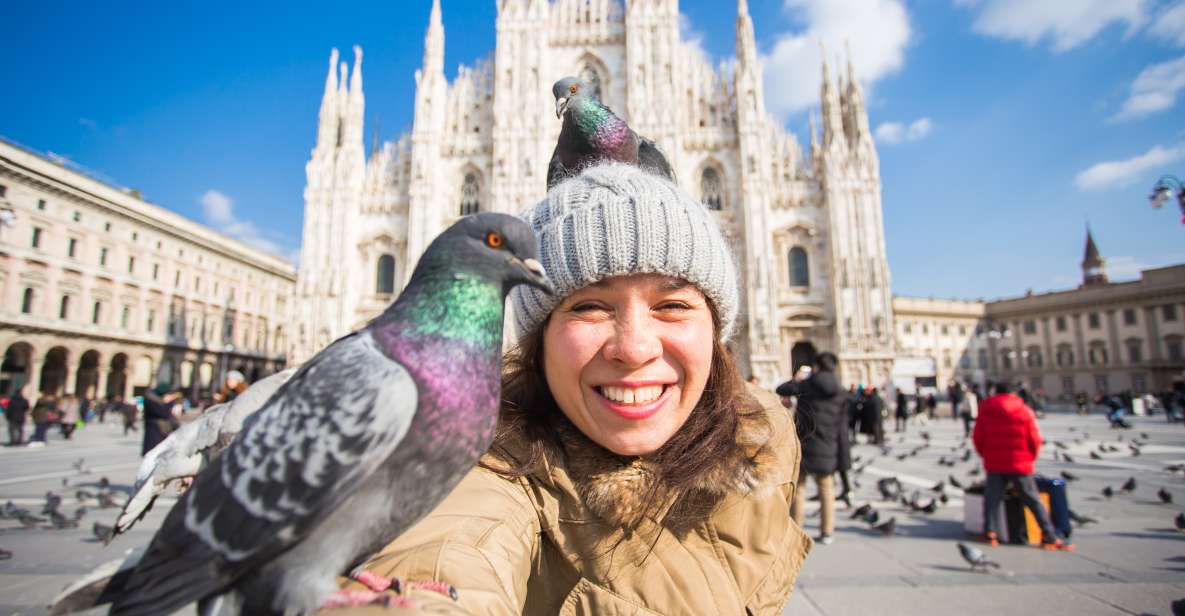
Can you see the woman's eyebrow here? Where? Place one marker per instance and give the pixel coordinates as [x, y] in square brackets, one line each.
[674, 284]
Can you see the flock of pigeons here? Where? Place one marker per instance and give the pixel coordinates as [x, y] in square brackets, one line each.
[891, 489]
[100, 494]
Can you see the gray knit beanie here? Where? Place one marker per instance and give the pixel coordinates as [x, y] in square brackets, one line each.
[613, 220]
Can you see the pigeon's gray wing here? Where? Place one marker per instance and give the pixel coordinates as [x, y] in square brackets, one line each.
[314, 442]
[183, 452]
[652, 159]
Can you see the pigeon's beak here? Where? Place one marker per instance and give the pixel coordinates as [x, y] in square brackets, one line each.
[535, 276]
[561, 103]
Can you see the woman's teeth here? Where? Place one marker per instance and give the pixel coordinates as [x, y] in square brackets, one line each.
[631, 395]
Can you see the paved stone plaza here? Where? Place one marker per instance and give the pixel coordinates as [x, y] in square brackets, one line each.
[1131, 562]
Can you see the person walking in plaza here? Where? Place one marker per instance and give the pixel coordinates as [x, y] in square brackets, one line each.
[1006, 436]
[843, 443]
[931, 405]
[872, 421]
[127, 413]
[919, 409]
[15, 414]
[159, 419]
[819, 419]
[71, 415]
[1081, 400]
[45, 414]
[901, 412]
[955, 393]
[969, 409]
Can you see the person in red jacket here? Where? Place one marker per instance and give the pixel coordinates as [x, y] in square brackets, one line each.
[1007, 438]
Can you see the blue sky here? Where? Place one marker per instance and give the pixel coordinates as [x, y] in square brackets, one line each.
[1003, 125]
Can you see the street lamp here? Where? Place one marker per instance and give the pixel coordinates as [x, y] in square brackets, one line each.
[1163, 190]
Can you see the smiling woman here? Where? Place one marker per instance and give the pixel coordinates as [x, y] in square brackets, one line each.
[634, 470]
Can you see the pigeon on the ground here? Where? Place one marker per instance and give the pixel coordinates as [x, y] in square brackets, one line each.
[1179, 521]
[889, 488]
[954, 482]
[592, 133]
[938, 487]
[861, 511]
[1095, 456]
[1081, 519]
[1135, 450]
[1129, 485]
[1060, 445]
[106, 502]
[974, 472]
[1108, 492]
[889, 528]
[1165, 496]
[79, 464]
[5, 555]
[101, 531]
[52, 503]
[366, 438]
[1067, 458]
[1068, 476]
[1144, 435]
[83, 495]
[872, 517]
[975, 557]
[29, 520]
[187, 449]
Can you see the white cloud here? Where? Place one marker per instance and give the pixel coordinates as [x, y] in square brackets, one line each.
[891, 133]
[219, 210]
[1116, 173]
[877, 30]
[1067, 24]
[1170, 25]
[1154, 89]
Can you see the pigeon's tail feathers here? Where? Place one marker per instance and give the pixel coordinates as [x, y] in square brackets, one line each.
[99, 587]
[652, 159]
[224, 604]
[170, 585]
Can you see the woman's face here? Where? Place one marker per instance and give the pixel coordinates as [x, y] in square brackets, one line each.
[627, 359]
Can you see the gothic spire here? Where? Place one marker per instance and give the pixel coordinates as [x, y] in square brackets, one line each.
[327, 119]
[353, 114]
[832, 117]
[857, 115]
[746, 43]
[1094, 267]
[434, 41]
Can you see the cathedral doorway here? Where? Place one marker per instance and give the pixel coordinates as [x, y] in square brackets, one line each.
[802, 354]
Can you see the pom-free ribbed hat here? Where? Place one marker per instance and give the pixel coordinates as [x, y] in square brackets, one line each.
[615, 219]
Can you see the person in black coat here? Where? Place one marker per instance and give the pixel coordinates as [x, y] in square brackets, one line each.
[158, 416]
[872, 421]
[902, 412]
[820, 417]
[16, 412]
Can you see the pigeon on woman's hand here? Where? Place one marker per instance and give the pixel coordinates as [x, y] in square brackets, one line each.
[592, 133]
[365, 439]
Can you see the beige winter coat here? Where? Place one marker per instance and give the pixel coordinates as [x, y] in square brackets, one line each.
[555, 544]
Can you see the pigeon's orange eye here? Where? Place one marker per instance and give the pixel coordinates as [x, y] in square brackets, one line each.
[494, 239]
[572, 88]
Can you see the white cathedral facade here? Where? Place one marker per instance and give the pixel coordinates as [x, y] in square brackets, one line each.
[806, 227]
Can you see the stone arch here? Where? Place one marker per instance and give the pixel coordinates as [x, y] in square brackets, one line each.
[802, 354]
[385, 274]
[799, 267]
[86, 381]
[471, 187]
[53, 371]
[594, 73]
[713, 187]
[16, 369]
[117, 377]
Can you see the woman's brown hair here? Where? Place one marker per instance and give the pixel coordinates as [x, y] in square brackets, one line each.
[708, 436]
